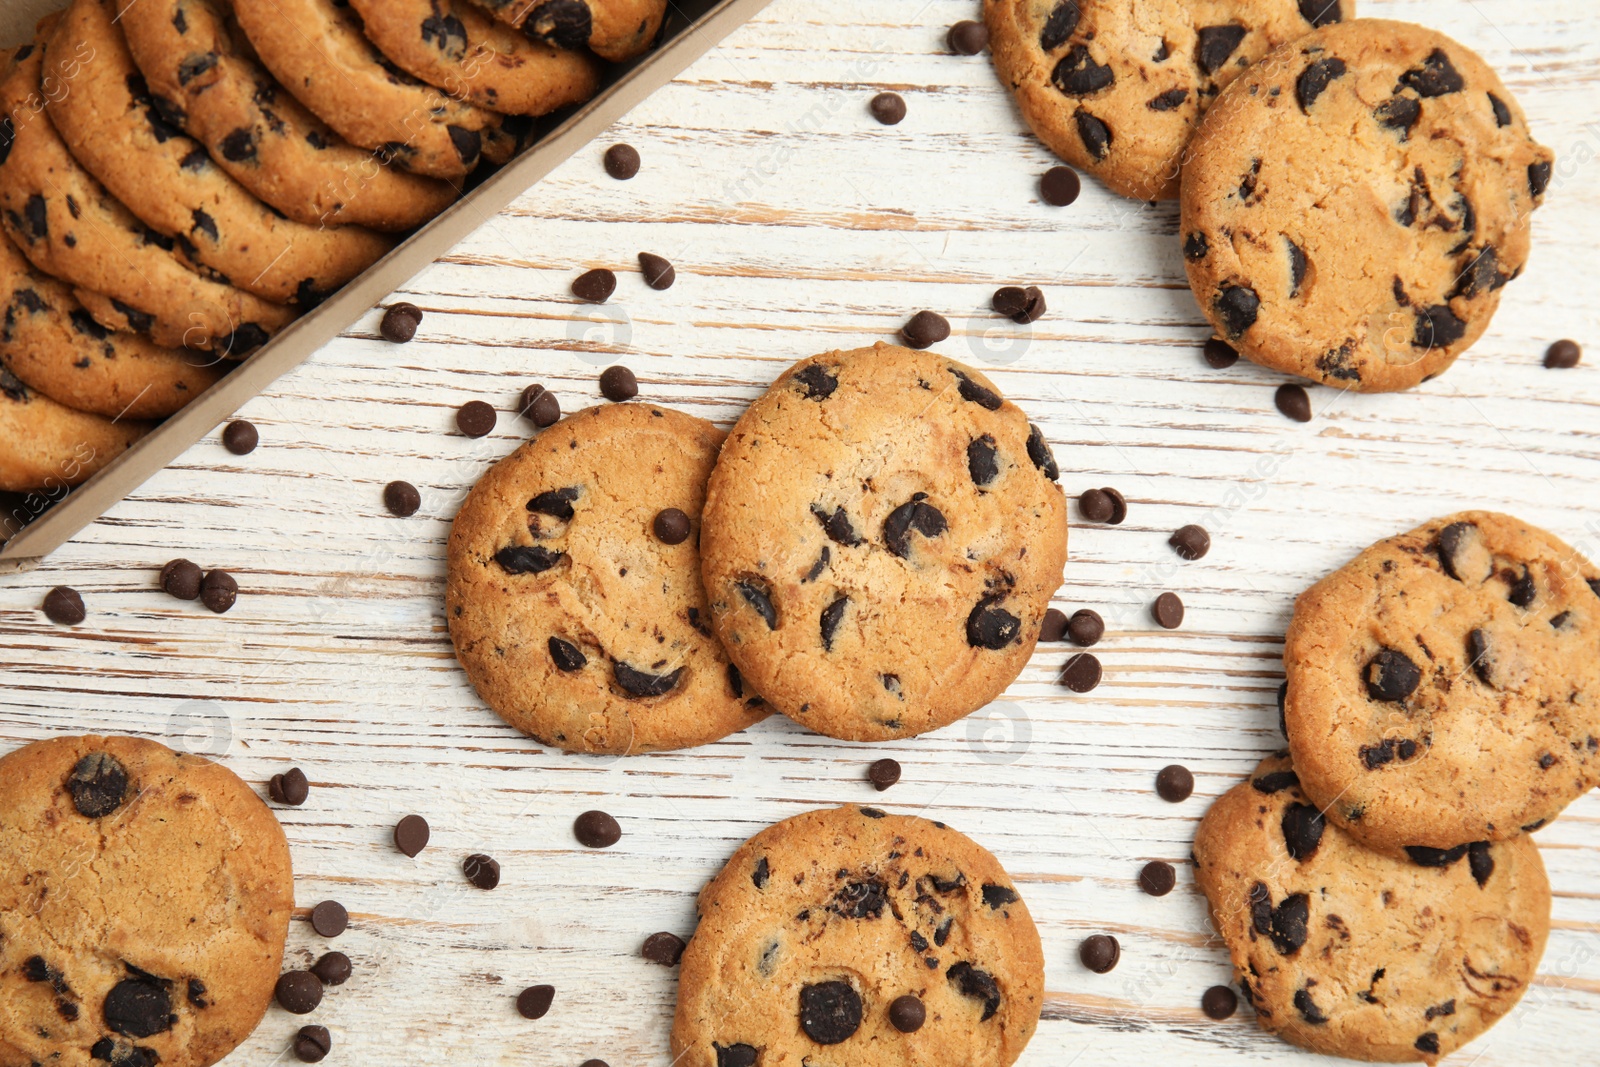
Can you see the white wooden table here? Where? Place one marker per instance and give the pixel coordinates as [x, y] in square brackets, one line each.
[797, 224]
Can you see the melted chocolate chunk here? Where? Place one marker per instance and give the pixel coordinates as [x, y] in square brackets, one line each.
[1275, 781]
[977, 394]
[1297, 266]
[1399, 113]
[1462, 552]
[238, 146]
[1059, 26]
[818, 382]
[1095, 134]
[1321, 12]
[1316, 78]
[566, 655]
[1217, 44]
[1308, 1008]
[1538, 177]
[1167, 101]
[1041, 455]
[832, 615]
[447, 34]
[1302, 830]
[759, 597]
[861, 900]
[836, 525]
[735, 1055]
[1437, 327]
[556, 503]
[1077, 74]
[1196, 247]
[998, 896]
[191, 67]
[139, 1006]
[1502, 113]
[1391, 676]
[979, 985]
[830, 1012]
[915, 515]
[1423, 856]
[1436, 77]
[759, 876]
[1479, 656]
[1480, 862]
[637, 683]
[1237, 306]
[467, 143]
[98, 785]
[1289, 920]
[1523, 591]
[983, 464]
[992, 627]
[563, 23]
[526, 559]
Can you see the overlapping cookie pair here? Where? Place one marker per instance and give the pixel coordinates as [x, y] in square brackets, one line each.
[1355, 192]
[1376, 884]
[871, 551]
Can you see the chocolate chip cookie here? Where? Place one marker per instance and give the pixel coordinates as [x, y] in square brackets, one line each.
[453, 45]
[1354, 204]
[577, 621]
[1117, 88]
[883, 533]
[1353, 953]
[53, 345]
[107, 116]
[68, 226]
[855, 936]
[1443, 686]
[144, 900]
[617, 30]
[205, 81]
[46, 445]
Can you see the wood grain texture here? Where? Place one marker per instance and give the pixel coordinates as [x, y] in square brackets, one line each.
[797, 224]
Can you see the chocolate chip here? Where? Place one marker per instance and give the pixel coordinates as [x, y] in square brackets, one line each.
[757, 595]
[618, 384]
[1095, 135]
[1308, 1008]
[1086, 627]
[1538, 177]
[1220, 354]
[1059, 26]
[563, 23]
[540, 405]
[735, 1055]
[1216, 45]
[1302, 830]
[759, 876]
[1321, 12]
[533, 1002]
[566, 655]
[1219, 1002]
[329, 918]
[1081, 673]
[818, 382]
[1524, 591]
[622, 162]
[312, 1044]
[1563, 355]
[924, 329]
[97, 784]
[1275, 781]
[1294, 402]
[1060, 186]
[1391, 676]
[836, 524]
[526, 559]
[915, 515]
[1436, 77]
[829, 1011]
[596, 829]
[1095, 505]
[967, 38]
[141, 1006]
[637, 683]
[1174, 783]
[595, 286]
[556, 503]
[482, 871]
[888, 108]
[1437, 327]
[332, 968]
[658, 272]
[1099, 952]
[1168, 611]
[978, 985]
[400, 323]
[240, 437]
[290, 787]
[1157, 878]
[476, 419]
[992, 627]
[411, 835]
[883, 773]
[1077, 74]
[1010, 301]
[181, 578]
[299, 992]
[1167, 101]
[1190, 542]
[1289, 921]
[219, 591]
[1237, 307]
[906, 1013]
[664, 948]
[1054, 626]
[1196, 247]
[1316, 78]
[998, 896]
[1040, 454]
[401, 498]
[1399, 113]
[64, 606]
[671, 526]
[1119, 505]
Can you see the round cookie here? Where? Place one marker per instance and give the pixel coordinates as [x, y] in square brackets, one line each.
[205, 82]
[883, 533]
[452, 45]
[172, 185]
[1117, 88]
[575, 622]
[617, 30]
[69, 227]
[315, 48]
[144, 900]
[53, 345]
[817, 925]
[1367, 250]
[1444, 685]
[45, 445]
[1353, 953]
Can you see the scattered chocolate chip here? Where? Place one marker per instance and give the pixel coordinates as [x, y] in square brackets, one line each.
[596, 829]
[540, 405]
[618, 384]
[1081, 673]
[595, 286]
[1220, 354]
[594, 1063]
[1302, 830]
[181, 578]
[312, 1044]
[482, 871]
[290, 787]
[906, 1013]
[1190, 542]
[829, 1011]
[1294, 402]
[400, 323]
[1391, 676]
[411, 834]
[64, 606]
[664, 948]
[888, 108]
[671, 526]
[476, 418]
[1174, 783]
[658, 272]
[401, 498]
[1095, 505]
[1086, 627]
[622, 161]
[1099, 952]
[1157, 878]
[1563, 355]
[967, 38]
[1020, 305]
[1060, 186]
[883, 773]
[329, 918]
[240, 437]
[299, 992]
[98, 785]
[219, 591]
[1219, 1002]
[924, 329]
[1168, 611]
[1054, 626]
[534, 1001]
[332, 968]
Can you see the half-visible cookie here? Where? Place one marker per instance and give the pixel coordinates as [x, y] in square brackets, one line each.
[1117, 88]
[1353, 204]
[144, 900]
[576, 621]
[617, 30]
[853, 936]
[1444, 685]
[45, 445]
[1353, 953]
[883, 534]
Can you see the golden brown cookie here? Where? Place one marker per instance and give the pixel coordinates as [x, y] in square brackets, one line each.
[46, 446]
[617, 30]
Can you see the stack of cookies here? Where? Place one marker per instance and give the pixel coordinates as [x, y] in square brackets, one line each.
[1376, 884]
[1354, 194]
[179, 179]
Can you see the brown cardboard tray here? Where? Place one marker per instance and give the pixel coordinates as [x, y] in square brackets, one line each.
[34, 525]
